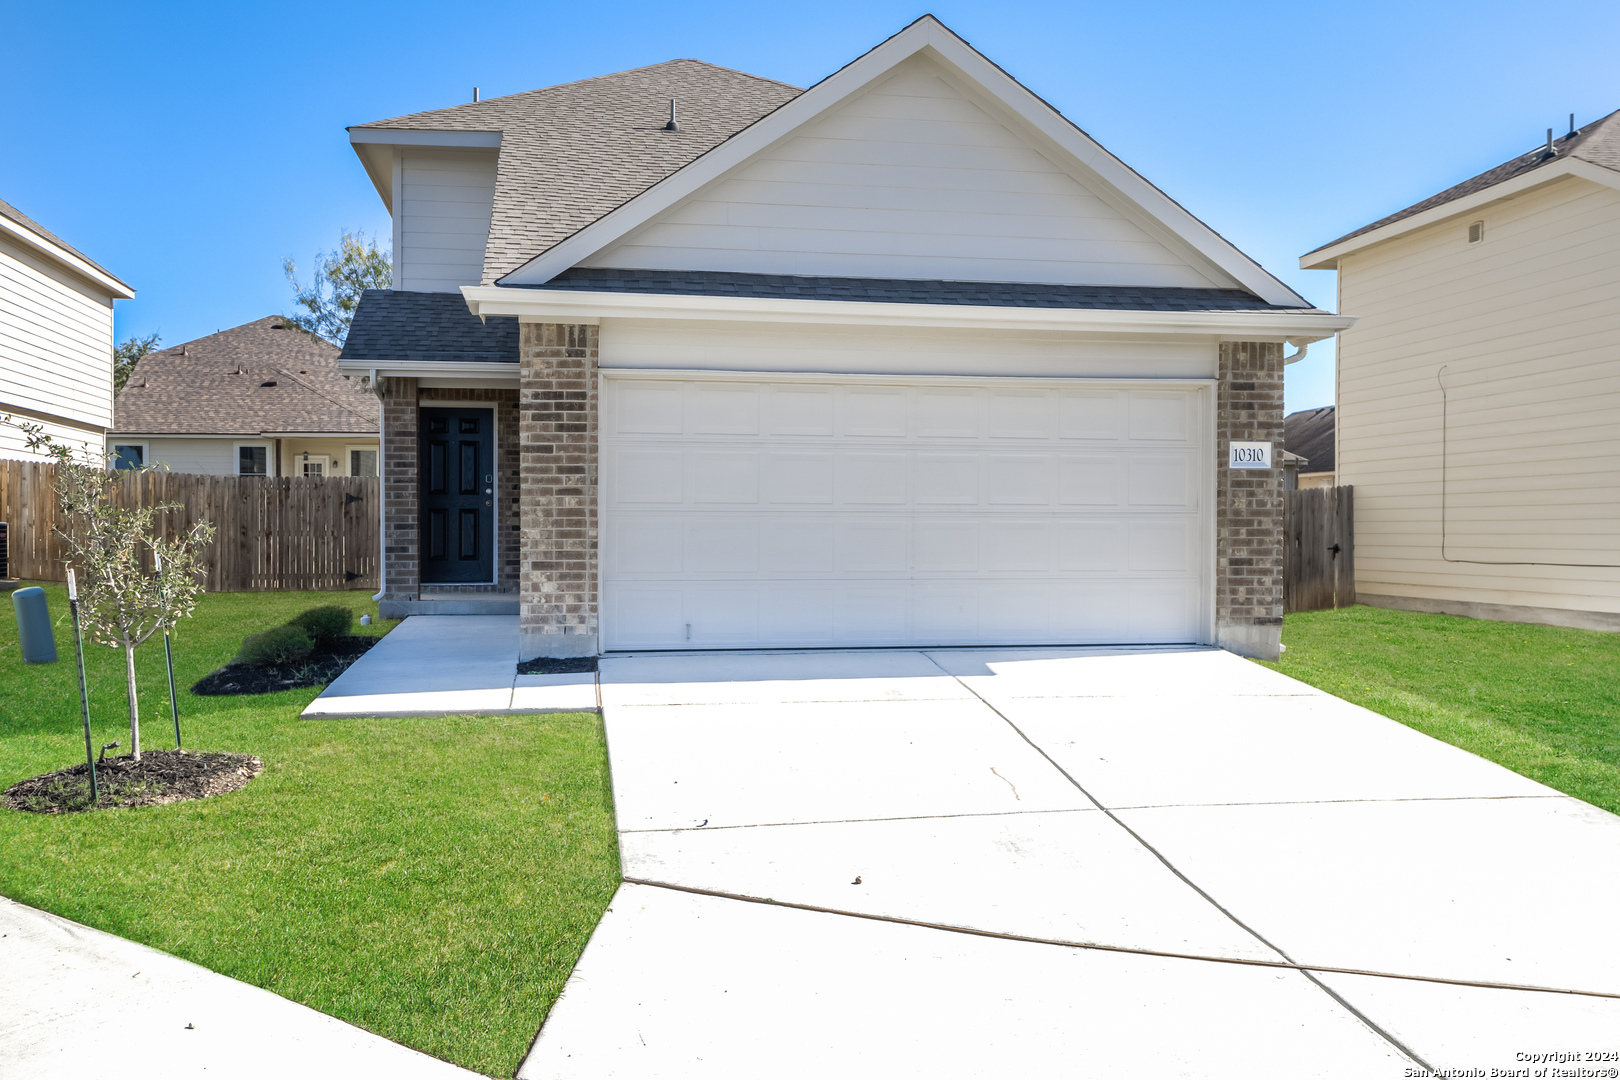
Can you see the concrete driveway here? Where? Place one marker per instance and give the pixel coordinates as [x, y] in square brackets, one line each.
[1111, 863]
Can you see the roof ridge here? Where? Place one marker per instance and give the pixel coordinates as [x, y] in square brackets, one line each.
[508, 98]
[1518, 165]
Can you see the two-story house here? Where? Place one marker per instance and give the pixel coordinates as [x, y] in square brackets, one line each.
[684, 358]
[1479, 394]
[56, 338]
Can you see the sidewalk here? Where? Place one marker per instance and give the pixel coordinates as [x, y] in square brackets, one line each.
[78, 1002]
[449, 665]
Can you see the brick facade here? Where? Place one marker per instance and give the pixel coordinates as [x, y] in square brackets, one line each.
[558, 432]
[1249, 502]
[401, 525]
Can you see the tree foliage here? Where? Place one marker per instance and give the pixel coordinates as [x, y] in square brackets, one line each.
[122, 603]
[328, 303]
[127, 354]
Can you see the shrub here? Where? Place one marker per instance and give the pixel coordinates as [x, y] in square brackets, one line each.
[325, 623]
[283, 645]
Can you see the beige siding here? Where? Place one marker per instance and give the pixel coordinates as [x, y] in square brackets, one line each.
[1523, 329]
[894, 351]
[909, 180]
[445, 205]
[56, 339]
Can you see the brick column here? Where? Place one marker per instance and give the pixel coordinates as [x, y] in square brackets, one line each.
[557, 428]
[1249, 502]
[401, 528]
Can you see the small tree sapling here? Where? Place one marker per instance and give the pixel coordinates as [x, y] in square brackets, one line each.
[121, 602]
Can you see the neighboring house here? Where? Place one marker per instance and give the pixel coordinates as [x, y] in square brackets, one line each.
[902, 359]
[1309, 434]
[261, 399]
[56, 337]
[1479, 394]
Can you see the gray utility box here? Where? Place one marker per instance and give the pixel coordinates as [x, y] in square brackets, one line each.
[34, 625]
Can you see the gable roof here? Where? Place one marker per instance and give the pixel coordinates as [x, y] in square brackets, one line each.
[571, 153]
[1068, 146]
[1598, 143]
[390, 326]
[215, 385]
[1309, 434]
[29, 225]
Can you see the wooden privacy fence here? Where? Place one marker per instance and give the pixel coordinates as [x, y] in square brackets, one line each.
[1319, 549]
[270, 533]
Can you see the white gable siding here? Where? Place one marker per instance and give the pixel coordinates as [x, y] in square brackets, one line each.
[445, 208]
[908, 180]
[56, 339]
[1526, 325]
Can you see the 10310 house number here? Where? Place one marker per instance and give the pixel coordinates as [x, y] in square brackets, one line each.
[1249, 455]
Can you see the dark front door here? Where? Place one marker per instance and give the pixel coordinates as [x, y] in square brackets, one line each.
[458, 495]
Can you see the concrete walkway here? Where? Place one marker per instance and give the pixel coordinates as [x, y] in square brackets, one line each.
[77, 1002]
[449, 665]
[1112, 863]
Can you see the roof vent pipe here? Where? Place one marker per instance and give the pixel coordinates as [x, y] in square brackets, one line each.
[1572, 123]
[672, 125]
[1550, 149]
[475, 95]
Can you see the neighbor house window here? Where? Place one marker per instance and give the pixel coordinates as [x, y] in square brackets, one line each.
[362, 463]
[253, 461]
[129, 456]
[315, 467]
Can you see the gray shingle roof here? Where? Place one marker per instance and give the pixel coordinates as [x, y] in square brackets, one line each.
[574, 152]
[1597, 143]
[215, 385]
[899, 291]
[1310, 435]
[392, 326]
[16, 215]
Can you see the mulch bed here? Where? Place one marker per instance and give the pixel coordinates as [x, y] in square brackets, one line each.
[541, 665]
[161, 776]
[320, 667]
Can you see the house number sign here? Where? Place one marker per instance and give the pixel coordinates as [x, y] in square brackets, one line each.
[1249, 455]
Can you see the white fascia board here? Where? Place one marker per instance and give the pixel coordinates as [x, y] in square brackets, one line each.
[375, 148]
[317, 434]
[67, 259]
[484, 371]
[927, 33]
[570, 306]
[1327, 258]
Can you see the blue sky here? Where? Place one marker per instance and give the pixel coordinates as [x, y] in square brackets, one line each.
[190, 147]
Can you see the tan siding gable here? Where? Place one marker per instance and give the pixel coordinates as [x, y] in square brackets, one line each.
[56, 340]
[1526, 325]
[910, 179]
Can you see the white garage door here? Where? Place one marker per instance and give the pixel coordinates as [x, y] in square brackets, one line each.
[791, 511]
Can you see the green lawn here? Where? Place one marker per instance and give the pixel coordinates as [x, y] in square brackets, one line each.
[1542, 700]
[431, 880]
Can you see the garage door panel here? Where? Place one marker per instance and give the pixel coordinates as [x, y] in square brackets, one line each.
[755, 513]
[874, 479]
[646, 478]
[800, 545]
[946, 479]
[1091, 480]
[1159, 416]
[873, 411]
[798, 411]
[1161, 480]
[881, 545]
[799, 479]
[647, 408]
[1090, 416]
[723, 408]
